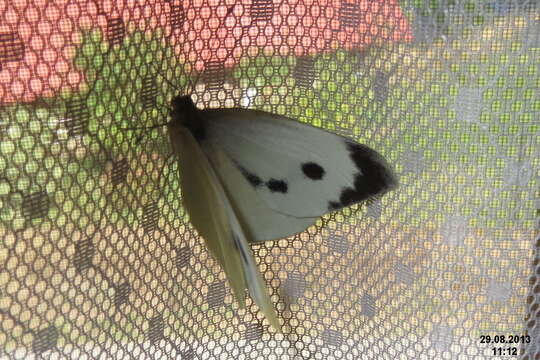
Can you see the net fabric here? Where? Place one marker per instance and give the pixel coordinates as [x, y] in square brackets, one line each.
[99, 259]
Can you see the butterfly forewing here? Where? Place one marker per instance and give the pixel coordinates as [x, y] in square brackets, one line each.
[297, 169]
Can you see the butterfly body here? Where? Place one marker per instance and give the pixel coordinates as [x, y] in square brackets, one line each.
[185, 115]
[249, 176]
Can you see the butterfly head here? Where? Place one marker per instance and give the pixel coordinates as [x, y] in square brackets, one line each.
[181, 106]
[185, 114]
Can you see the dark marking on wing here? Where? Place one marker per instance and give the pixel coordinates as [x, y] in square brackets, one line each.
[253, 179]
[350, 196]
[313, 171]
[377, 176]
[239, 247]
[277, 186]
[334, 205]
[373, 179]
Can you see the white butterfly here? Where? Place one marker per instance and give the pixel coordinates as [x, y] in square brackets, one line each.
[249, 176]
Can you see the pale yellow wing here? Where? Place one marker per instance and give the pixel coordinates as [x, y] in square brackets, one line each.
[206, 208]
[213, 215]
[256, 285]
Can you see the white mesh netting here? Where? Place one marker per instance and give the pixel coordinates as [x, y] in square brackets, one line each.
[99, 260]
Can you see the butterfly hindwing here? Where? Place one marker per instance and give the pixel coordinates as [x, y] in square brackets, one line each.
[204, 204]
[212, 214]
[297, 169]
[255, 283]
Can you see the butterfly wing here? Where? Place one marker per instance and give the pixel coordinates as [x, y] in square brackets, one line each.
[204, 204]
[260, 221]
[255, 283]
[298, 170]
[213, 216]
[253, 176]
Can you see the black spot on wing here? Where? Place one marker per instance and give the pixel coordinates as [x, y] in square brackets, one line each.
[277, 186]
[253, 179]
[313, 171]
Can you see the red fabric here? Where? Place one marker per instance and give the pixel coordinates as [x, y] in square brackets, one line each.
[212, 31]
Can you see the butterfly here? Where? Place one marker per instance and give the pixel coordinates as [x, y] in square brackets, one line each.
[249, 176]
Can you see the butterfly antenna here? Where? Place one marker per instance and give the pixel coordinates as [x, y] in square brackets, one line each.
[140, 137]
[171, 84]
[51, 107]
[192, 84]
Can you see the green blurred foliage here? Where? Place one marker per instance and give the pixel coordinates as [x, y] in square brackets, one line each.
[341, 79]
[37, 154]
[319, 103]
[115, 76]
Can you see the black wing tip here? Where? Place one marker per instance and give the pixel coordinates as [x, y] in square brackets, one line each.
[369, 161]
[375, 177]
